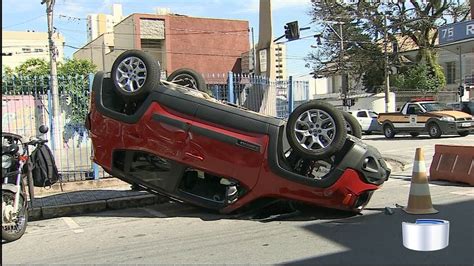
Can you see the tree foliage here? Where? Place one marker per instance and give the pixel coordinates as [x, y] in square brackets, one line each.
[419, 78]
[415, 20]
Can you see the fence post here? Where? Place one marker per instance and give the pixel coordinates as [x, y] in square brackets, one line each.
[95, 167]
[290, 94]
[230, 87]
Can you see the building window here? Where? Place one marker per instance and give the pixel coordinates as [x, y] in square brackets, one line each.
[26, 50]
[450, 72]
[38, 50]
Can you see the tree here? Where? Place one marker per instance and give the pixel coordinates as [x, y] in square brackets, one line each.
[416, 20]
[418, 78]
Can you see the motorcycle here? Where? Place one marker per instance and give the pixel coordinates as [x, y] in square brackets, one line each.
[17, 173]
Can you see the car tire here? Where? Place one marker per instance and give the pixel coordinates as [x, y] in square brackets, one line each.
[434, 130]
[135, 73]
[305, 134]
[352, 125]
[188, 78]
[464, 133]
[388, 131]
[414, 134]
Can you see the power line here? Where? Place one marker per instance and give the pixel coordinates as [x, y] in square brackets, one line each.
[24, 22]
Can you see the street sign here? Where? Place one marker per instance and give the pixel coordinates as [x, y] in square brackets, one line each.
[456, 32]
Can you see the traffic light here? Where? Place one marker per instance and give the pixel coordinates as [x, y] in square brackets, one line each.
[461, 91]
[292, 31]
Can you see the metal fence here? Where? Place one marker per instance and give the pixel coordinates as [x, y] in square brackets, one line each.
[27, 104]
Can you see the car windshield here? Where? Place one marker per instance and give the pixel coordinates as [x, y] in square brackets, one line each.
[373, 114]
[435, 106]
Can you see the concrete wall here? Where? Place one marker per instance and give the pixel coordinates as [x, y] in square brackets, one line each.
[98, 52]
[206, 45]
[375, 102]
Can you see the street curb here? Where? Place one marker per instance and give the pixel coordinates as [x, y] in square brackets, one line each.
[48, 212]
[80, 185]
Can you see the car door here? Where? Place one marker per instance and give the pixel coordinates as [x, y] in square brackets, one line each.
[364, 119]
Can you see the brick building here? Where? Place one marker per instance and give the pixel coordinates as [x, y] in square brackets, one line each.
[204, 44]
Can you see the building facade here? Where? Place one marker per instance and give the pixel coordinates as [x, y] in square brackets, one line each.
[176, 41]
[98, 24]
[19, 46]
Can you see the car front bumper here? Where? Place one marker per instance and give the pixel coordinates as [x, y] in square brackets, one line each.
[455, 127]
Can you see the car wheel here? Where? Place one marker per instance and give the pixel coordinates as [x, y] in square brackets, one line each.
[388, 131]
[352, 125]
[434, 130]
[316, 130]
[135, 73]
[414, 134]
[188, 78]
[464, 133]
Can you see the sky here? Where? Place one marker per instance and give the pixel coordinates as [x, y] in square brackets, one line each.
[69, 18]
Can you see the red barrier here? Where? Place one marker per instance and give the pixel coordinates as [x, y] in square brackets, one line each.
[453, 163]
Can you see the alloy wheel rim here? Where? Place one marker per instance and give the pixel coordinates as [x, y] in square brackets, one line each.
[131, 74]
[315, 130]
[185, 81]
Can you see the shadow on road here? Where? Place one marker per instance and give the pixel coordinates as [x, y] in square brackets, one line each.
[377, 238]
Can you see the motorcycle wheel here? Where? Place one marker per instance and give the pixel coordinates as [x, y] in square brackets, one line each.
[316, 130]
[14, 232]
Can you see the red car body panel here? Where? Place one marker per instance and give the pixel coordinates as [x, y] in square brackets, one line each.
[251, 168]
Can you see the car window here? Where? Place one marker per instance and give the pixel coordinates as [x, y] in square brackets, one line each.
[373, 114]
[434, 106]
[413, 109]
[361, 114]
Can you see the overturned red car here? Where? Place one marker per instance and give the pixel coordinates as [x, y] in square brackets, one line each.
[174, 140]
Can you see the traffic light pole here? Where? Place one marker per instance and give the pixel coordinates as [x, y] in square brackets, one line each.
[386, 72]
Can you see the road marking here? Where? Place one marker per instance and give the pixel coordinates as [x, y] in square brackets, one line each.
[155, 213]
[469, 193]
[73, 225]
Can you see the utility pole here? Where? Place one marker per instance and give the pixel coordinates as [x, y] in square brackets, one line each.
[344, 79]
[387, 77]
[53, 75]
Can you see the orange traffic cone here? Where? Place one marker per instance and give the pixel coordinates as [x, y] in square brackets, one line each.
[419, 200]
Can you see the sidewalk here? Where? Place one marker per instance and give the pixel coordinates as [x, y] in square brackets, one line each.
[88, 196]
[105, 194]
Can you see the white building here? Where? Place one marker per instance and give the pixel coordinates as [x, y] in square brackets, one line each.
[98, 24]
[19, 46]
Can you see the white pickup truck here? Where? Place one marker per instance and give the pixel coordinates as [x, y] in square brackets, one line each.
[430, 117]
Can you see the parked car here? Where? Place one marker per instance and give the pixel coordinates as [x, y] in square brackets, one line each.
[178, 141]
[367, 120]
[466, 107]
[432, 117]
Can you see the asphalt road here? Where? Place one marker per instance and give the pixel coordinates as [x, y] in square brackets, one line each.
[174, 233]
